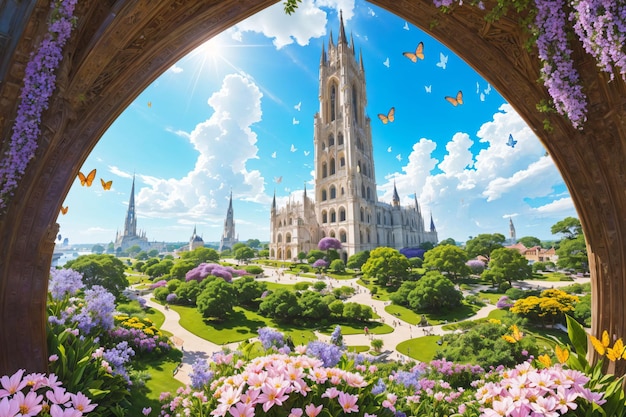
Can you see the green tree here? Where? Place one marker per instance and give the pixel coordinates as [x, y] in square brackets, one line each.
[159, 269]
[217, 299]
[377, 345]
[508, 265]
[301, 256]
[573, 254]
[357, 312]
[188, 291]
[569, 227]
[281, 305]
[180, 268]
[111, 248]
[427, 246]
[319, 286]
[142, 255]
[248, 289]
[529, 241]
[153, 253]
[401, 297]
[253, 243]
[264, 253]
[337, 266]
[448, 241]
[312, 306]
[336, 308]
[244, 253]
[200, 255]
[388, 266]
[549, 308]
[314, 255]
[434, 292]
[357, 260]
[104, 270]
[447, 259]
[484, 244]
[133, 250]
[99, 249]
[149, 262]
[238, 245]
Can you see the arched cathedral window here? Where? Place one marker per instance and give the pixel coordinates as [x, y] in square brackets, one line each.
[333, 97]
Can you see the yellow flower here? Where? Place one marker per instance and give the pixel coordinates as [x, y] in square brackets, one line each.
[561, 354]
[615, 353]
[509, 338]
[494, 321]
[600, 346]
[515, 337]
[545, 360]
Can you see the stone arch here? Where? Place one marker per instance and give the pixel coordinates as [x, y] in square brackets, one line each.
[119, 48]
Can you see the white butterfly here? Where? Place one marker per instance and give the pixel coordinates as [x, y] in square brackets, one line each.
[278, 180]
[295, 122]
[274, 155]
[488, 89]
[386, 62]
[482, 97]
[406, 26]
[389, 149]
[477, 87]
[428, 88]
[399, 157]
[297, 106]
[293, 148]
[306, 153]
[443, 60]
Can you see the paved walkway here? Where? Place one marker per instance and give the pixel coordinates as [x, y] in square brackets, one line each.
[195, 347]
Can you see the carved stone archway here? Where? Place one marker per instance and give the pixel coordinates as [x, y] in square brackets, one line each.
[120, 47]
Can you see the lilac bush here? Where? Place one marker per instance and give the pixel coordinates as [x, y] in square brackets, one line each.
[320, 263]
[171, 298]
[413, 252]
[117, 357]
[39, 84]
[64, 283]
[201, 373]
[504, 302]
[97, 311]
[271, 338]
[203, 270]
[336, 338]
[329, 243]
[158, 284]
[476, 266]
[329, 354]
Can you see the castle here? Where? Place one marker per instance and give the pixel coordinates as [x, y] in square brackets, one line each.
[346, 206]
[130, 237]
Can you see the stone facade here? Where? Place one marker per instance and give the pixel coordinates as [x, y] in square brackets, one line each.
[345, 204]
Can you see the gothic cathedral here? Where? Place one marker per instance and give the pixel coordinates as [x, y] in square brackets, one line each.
[346, 205]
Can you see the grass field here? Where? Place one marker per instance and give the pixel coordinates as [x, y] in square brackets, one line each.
[421, 348]
[410, 316]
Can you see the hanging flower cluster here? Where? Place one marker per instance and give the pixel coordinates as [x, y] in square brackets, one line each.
[39, 84]
[600, 25]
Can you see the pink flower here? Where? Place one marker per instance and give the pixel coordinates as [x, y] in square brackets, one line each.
[8, 407]
[331, 393]
[58, 396]
[12, 384]
[82, 403]
[57, 411]
[312, 411]
[271, 396]
[296, 412]
[145, 411]
[29, 404]
[348, 402]
[53, 358]
[242, 410]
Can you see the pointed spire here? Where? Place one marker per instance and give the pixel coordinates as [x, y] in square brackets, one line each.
[432, 224]
[352, 44]
[323, 57]
[361, 61]
[274, 201]
[331, 43]
[396, 197]
[417, 205]
[342, 31]
[230, 203]
[305, 191]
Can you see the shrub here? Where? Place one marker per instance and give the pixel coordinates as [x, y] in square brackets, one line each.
[253, 269]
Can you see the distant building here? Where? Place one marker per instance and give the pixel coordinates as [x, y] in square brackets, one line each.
[346, 206]
[195, 241]
[536, 253]
[512, 237]
[229, 238]
[130, 237]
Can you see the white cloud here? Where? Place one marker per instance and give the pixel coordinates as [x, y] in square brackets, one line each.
[203, 193]
[116, 171]
[470, 194]
[176, 69]
[308, 21]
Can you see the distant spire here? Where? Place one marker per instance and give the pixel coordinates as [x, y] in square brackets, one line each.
[274, 201]
[396, 197]
[432, 224]
[361, 61]
[352, 43]
[512, 231]
[342, 31]
[323, 57]
[331, 43]
[417, 205]
[305, 190]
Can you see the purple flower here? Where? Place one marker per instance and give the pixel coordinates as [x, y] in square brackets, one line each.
[271, 338]
[477, 266]
[329, 243]
[320, 263]
[336, 338]
[97, 311]
[158, 284]
[171, 298]
[504, 302]
[200, 374]
[64, 282]
[203, 270]
[329, 354]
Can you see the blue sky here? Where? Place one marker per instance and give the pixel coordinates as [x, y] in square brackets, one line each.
[237, 115]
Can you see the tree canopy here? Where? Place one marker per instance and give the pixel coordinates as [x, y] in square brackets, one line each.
[434, 292]
[529, 241]
[484, 244]
[507, 265]
[387, 266]
[104, 270]
[448, 259]
[569, 227]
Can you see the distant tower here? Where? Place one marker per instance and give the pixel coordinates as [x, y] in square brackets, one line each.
[195, 241]
[432, 224]
[130, 225]
[228, 236]
[512, 231]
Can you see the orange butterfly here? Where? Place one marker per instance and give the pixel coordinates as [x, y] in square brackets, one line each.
[389, 117]
[419, 53]
[150, 104]
[64, 210]
[456, 101]
[87, 180]
[106, 184]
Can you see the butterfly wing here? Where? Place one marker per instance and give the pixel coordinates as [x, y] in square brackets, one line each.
[64, 210]
[459, 97]
[411, 56]
[392, 114]
[383, 118]
[106, 185]
[419, 51]
[90, 177]
[452, 100]
[82, 178]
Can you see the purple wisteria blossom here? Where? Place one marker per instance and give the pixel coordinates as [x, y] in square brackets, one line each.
[97, 311]
[204, 270]
[271, 338]
[39, 84]
[476, 266]
[158, 284]
[327, 353]
[171, 298]
[64, 282]
[320, 263]
[413, 252]
[336, 338]
[200, 374]
[117, 357]
[504, 302]
[329, 243]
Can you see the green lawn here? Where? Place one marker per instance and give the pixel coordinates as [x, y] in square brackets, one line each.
[373, 327]
[461, 313]
[491, 296]
[381, 293]
[358, 348]
[421, 348]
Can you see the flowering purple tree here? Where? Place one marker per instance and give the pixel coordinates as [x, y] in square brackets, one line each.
[477, 266]
[203, 270]
[320, 264]
[328, 243]
[413, 252]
